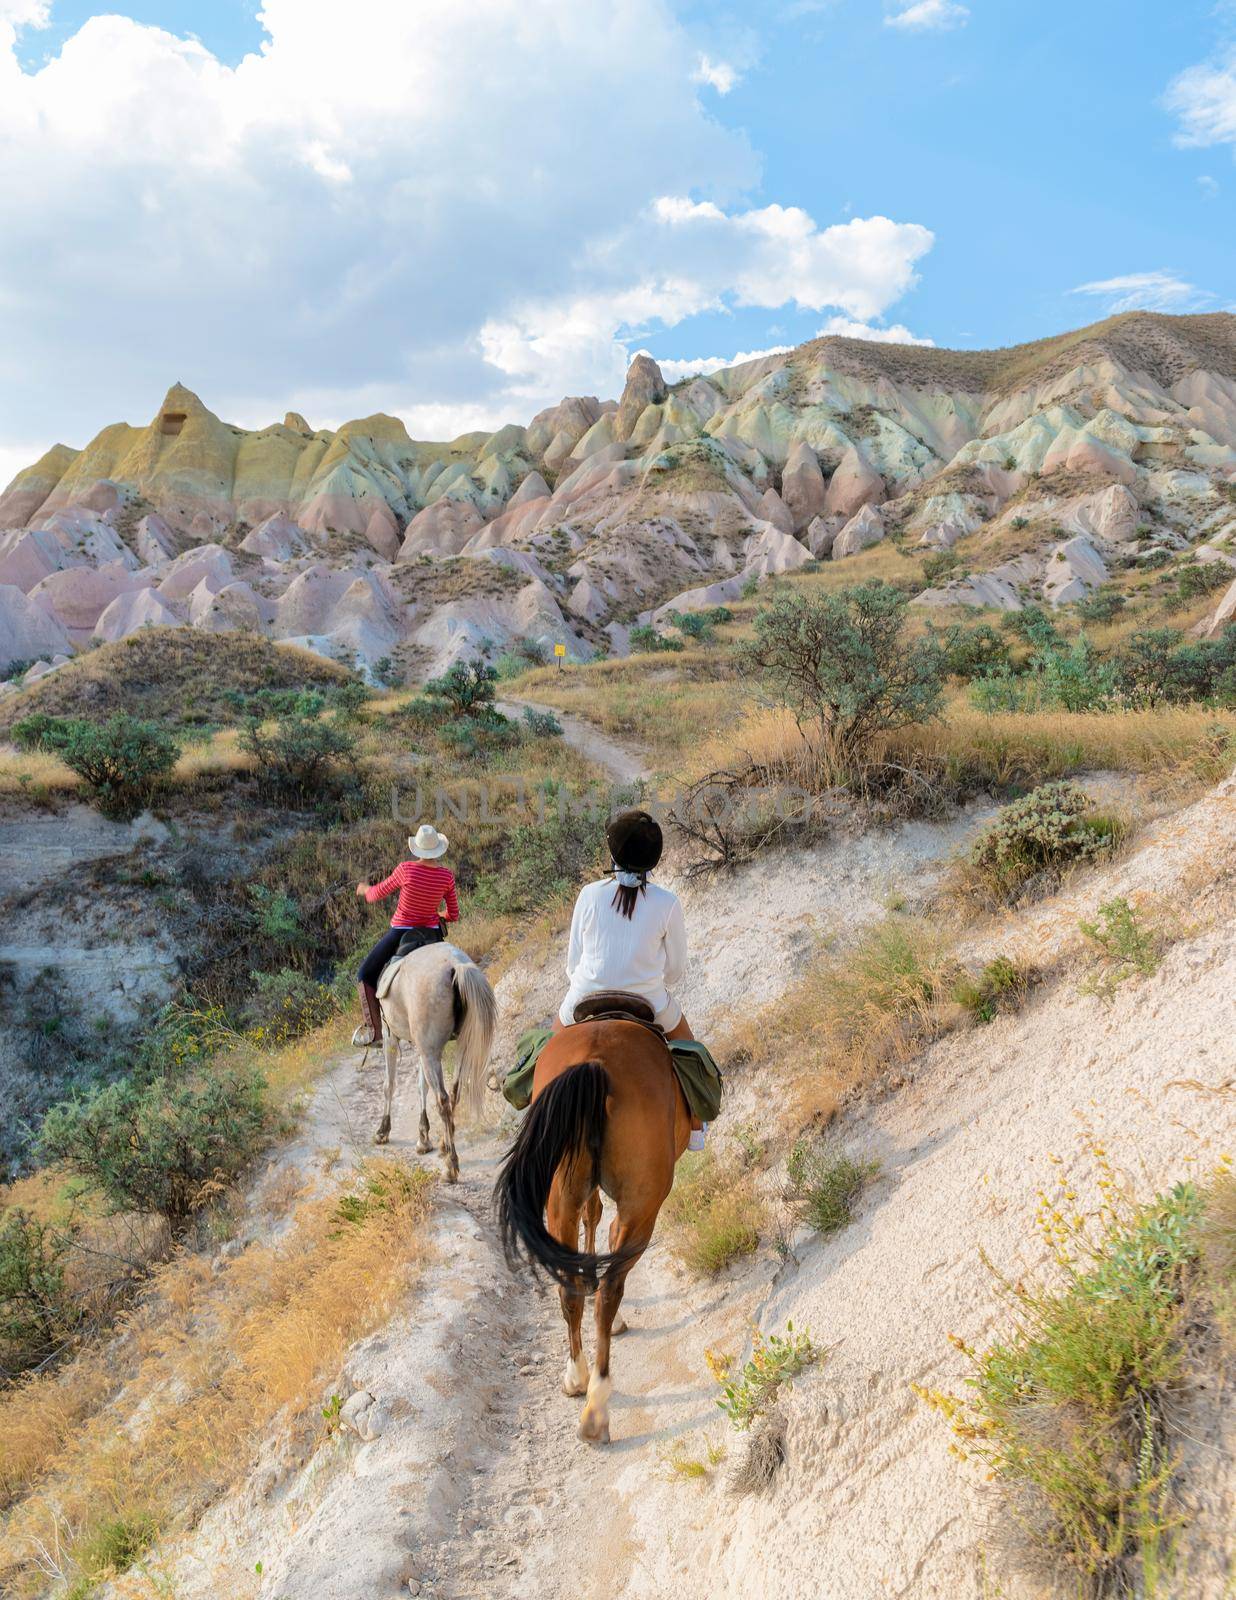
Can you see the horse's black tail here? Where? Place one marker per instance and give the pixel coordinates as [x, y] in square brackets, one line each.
[567, 1119]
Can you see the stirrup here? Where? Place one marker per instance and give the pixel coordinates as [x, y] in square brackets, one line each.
[365, 1035]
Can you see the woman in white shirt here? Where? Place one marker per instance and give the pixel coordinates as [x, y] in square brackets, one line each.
[628, 933]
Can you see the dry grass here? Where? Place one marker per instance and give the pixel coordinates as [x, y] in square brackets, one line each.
[971, 749]
[665, 703]
[854, 1014]
[714, 1213]
[34, 775]
[216, 1358]
[177, 676]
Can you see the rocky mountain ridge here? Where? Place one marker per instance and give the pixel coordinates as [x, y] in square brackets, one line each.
[1039, 467]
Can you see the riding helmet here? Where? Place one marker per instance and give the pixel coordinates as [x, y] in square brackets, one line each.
[634, 840]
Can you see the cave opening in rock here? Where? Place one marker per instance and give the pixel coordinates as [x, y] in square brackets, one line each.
[171, 422]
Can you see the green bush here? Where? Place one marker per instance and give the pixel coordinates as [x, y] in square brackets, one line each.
[940, 565]
[1157, 667]
[286, 1004]
[1053, 827]
[300, 756]
[1033, 626]
[483, 731]
[970, 652]
[1002, 690]
[37, 1312]
[543, 860]
[541, 724]
[518, 657]
[1001, 985]
[842, 664]
[1127, 947]
[1194, 581]
[164, 1147]
[466, 690]
[123, 759]
[643, 640]
[1069, 1408]
[1104, 605]
[825, 1184]
[1075, 678]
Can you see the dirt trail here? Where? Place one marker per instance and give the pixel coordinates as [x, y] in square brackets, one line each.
[622, 764]
[476, 1483]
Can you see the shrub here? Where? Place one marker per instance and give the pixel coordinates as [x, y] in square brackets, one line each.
[1069, 1408]
[542, 860]
[970, 652]
[110, 1547]
[825, 1184]
[1194, 581]
[775, 1361]
[1127, 948]
[123, 759]
[165, 1147]
[1033, 626]
[466, 690]
[285, 1005]
[1074, 679]
[37, 1313]
[300, 755]
[643, 640]
[473, 735]
[387, 672]
[714, 1214]
[518, 657]
[1001, 691]
[1001, 985]
[1104, 605]
[842, 664]
[1156, 667]
[1053, 827]
[940, 565]
[541, 724]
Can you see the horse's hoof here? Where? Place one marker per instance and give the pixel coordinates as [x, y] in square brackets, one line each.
[384, 1131]
[452, 1174]
[621, 1325]
[423, 1147]
[592, 1431]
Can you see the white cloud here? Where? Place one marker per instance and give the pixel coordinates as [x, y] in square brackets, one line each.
[696, 257]
[718, 75]
[929, 16]
[1147, 291]
[25, 13]
[673, 370]
[843, 328]
[384, 216]
[1208, 185]
[1204, 99]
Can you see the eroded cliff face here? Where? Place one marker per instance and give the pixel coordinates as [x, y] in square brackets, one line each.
[1046, 463]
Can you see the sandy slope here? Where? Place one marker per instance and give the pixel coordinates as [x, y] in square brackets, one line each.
[477, 1484]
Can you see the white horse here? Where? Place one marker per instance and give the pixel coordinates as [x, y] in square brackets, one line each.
[435, 994]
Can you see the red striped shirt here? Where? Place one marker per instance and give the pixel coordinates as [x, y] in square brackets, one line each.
[422, 889]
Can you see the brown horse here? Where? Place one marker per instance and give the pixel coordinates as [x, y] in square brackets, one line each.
[607, 1114]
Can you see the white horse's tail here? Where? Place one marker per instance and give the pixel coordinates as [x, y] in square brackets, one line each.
[476, 1032]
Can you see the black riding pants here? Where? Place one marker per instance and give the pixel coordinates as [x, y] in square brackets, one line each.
[393, 942]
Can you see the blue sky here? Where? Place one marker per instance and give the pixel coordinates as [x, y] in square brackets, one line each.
[457, 210]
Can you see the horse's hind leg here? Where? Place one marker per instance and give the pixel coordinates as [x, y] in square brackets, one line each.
[433, 1064]
[594, 1419]
[422, 1144]
[390, 1050]
[592, 1218]
[562, 1218]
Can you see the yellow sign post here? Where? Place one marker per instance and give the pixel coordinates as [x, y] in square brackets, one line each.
[560, 652]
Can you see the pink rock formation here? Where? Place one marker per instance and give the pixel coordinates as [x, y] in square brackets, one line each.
[863, 530]
[440, 529]
[78, 596]
[27, 631]
[139, 608]
[853, 485]
[802, 485]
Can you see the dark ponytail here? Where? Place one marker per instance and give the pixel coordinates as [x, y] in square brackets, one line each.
[626, 895]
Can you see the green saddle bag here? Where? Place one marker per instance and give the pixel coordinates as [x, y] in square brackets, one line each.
[697, 1072]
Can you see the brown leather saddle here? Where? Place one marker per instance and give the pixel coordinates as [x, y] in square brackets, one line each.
[614, 1005]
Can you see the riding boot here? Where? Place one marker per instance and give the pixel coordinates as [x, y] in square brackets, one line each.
[370, 1030]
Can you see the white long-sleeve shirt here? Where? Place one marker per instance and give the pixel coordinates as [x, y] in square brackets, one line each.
[645, 955]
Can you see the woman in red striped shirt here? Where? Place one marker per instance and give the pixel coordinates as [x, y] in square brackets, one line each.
[424, 888]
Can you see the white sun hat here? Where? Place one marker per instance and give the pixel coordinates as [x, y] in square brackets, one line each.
[428, 843]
